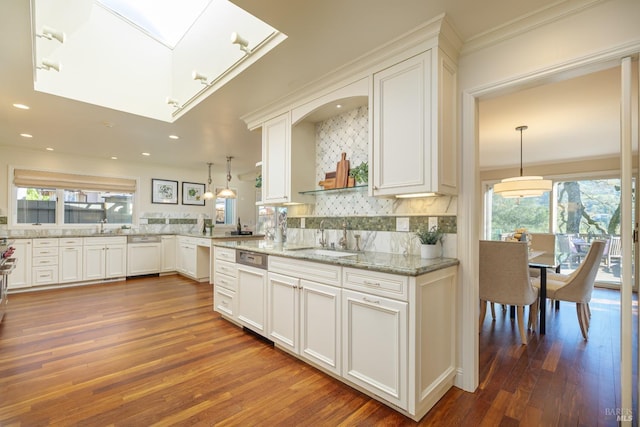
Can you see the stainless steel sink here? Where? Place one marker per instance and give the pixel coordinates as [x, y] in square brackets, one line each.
[327, 253]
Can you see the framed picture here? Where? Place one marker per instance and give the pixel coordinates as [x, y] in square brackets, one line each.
[192, 193]
[163, 191]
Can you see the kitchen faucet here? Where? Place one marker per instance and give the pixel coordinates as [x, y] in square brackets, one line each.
[322, 241]
[102, 223]
[343, 239]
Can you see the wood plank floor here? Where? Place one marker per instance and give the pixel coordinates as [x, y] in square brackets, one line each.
[152, 352]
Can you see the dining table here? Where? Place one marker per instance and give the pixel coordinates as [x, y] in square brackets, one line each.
[543, 261]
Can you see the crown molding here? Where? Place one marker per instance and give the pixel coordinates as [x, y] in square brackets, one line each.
[526, 23]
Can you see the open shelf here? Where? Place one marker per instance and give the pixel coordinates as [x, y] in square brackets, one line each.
[335, 190]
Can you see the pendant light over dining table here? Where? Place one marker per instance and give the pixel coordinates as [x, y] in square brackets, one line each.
[227, 193]
[522, 186]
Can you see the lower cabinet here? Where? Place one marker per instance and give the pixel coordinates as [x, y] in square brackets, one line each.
[168, 254]
[374, 341]
[389, 335]
[320, 320]
[104, 257]
[21, 275]
[252, 298]
[70, 260]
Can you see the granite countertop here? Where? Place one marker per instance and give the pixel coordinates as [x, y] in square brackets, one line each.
[409, 265]
[39, 235]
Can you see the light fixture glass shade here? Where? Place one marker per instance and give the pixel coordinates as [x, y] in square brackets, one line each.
[208, 195]
[523, 186]
[226, 193]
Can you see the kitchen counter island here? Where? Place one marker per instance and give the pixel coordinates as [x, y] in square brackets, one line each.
[383, 323]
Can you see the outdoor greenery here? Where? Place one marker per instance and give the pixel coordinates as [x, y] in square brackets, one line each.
[585, 207]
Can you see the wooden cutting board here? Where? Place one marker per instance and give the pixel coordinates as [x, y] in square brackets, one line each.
[342, 172]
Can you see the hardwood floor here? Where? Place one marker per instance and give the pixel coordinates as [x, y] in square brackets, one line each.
[152, 352]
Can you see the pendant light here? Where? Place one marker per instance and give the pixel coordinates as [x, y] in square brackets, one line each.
[208, 195]
[522, 186]
[227, 193]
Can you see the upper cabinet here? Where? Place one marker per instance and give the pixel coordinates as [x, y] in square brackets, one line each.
[288, 160]
[410, 87]
[413, 144]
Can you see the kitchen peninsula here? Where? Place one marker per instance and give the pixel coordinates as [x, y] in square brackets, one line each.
[382, 323]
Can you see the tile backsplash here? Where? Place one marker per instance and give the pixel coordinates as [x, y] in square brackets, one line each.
[372, 219]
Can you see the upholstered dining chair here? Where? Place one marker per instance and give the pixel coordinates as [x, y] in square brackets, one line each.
[504, 279]
[577, 286]
[544, 242]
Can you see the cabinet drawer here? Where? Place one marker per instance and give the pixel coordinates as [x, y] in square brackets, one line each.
[225, 254]
[226, 268]
[376, 283]
[44, 260]
[39, 251]
[315, 271]
[224, 301]
[225, 281]
[45, 275]
[70, 241]
[44, 243]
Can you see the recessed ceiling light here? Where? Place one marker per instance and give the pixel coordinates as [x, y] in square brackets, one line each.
[26, 135]
[174, 137]
[49, 149]
[114, 158]
[338, 105]
[21, 106]
[146, 154]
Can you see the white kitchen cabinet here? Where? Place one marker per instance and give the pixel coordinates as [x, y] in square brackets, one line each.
[192, 258]
[320, 323]
[168, 247]
[70, 260]
[143, 258]
[44, 261]
[375, 345]
[304, 315]
[225, 282]
[284, 307]
[413, 147]
[104, 257]
[21, 275]
[287, 154]
[252, 298]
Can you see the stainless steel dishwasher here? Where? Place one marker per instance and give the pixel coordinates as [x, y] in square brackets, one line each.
[143, 255]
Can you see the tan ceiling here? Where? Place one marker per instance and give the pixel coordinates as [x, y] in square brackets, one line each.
[322, 36]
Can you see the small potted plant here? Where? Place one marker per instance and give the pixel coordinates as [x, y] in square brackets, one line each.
[431, 242]
[360, 173]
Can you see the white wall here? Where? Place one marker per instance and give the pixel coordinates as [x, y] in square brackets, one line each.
[143, 171]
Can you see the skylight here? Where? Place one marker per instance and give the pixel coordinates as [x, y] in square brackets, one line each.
[165, 20]
[144, 53]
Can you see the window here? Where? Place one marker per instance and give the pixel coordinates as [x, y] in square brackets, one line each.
[225, 211]
[509, 214]
[91, 207]
[69, 199]
[36, 205]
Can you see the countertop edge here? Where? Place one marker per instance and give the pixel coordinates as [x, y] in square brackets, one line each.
[426, 265]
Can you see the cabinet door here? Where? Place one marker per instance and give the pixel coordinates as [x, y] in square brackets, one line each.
[276, 160]
[70, 266]
[375, 345]
[252, 301]
[320, 321]
[143, 258]
[402, 128]
[283, 309]
[45, 275]
[93, 262]
[168, 256]
[21, 275]
[115, 261]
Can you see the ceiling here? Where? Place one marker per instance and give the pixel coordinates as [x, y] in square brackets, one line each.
[322, 36]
